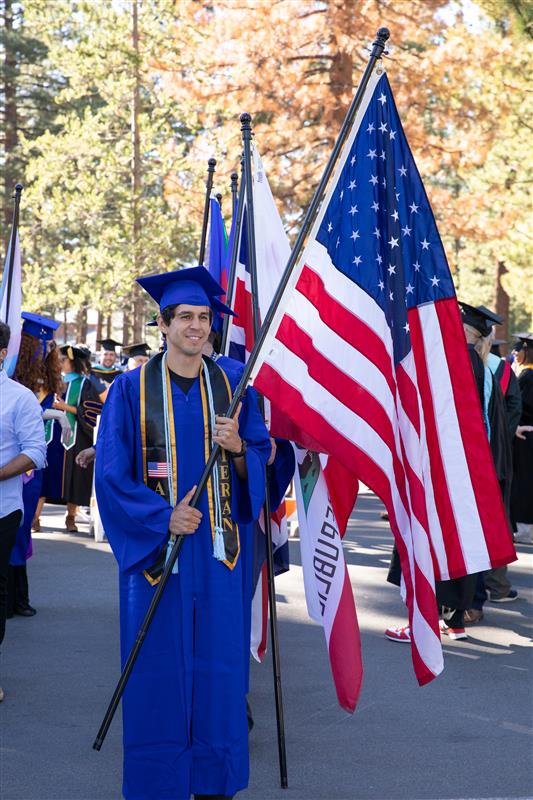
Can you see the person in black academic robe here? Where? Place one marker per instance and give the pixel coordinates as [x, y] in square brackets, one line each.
[522, 488]
[500, 419]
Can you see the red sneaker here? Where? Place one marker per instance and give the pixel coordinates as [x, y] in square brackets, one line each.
[453, 633]
[399, 633]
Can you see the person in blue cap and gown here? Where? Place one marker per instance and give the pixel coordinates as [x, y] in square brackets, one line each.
[39, 369]
[184, 711]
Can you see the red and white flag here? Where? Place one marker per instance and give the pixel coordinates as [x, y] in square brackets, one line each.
[328, 590]
[366, 352]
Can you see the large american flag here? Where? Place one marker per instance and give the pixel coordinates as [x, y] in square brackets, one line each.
[367, 353]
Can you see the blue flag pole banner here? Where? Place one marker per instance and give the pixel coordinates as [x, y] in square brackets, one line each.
[11, 303]
[218, 244]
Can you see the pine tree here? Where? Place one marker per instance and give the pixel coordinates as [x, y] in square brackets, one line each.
[95, 212]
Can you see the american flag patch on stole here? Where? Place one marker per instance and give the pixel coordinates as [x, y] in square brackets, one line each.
[158, 469]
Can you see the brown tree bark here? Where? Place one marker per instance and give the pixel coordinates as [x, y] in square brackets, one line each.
[501, 301]
[126, 317]
[137, 303]
[139, 316]
[81, 324]
[99, 325]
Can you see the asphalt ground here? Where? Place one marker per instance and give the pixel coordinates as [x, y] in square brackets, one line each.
[469, 734]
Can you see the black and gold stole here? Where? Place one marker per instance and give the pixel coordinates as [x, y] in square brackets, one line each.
[160, 462]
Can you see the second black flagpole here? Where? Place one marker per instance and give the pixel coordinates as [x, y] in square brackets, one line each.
[238, 209]
[246, 129]
[234, 182]
[211, 164]
[12, 246]
[376, 53]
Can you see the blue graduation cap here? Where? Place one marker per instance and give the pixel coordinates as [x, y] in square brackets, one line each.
[193, 286]
[41, 327]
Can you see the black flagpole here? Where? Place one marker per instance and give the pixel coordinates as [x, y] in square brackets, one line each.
[211, 164]
[234, 181]
[246, 129]
[376, 53]
[219, 199]
[239, 210]
[11, 245]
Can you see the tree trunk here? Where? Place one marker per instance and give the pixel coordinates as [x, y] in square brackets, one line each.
[108, 326]
[81, 324]
[137, 302]
[140, 316]
[341, 83]
[501, 301]
[99, 325]
[127, 315]
[10, 110]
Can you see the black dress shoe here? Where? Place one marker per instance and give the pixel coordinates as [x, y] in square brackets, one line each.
[213, 797]
[25, 611]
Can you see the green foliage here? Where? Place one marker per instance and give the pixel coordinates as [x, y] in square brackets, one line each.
[78, 205]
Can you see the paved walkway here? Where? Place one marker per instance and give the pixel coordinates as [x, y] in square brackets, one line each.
[467, 735]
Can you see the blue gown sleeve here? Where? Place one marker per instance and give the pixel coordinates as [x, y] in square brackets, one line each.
[135, 518]
[249, 495]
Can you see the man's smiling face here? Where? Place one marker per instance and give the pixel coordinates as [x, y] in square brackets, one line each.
[188, 330]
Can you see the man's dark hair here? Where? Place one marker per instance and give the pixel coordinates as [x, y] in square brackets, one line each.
[5, 335]
[168, 313]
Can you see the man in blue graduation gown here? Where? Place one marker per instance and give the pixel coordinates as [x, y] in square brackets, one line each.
[184, 711]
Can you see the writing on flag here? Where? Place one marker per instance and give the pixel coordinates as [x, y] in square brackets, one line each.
[328, 590]
[367, 353]
[11, 302]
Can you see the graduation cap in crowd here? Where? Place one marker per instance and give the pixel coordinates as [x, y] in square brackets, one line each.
[523, 340]
[73, 351]
[479, 317]
[134, 350]
[109, 344]
[41, 328]
[193, 286]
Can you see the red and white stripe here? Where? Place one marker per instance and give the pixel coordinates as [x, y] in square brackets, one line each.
[412, 433]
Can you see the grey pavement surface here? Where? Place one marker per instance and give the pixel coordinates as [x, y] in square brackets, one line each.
[467, 735]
